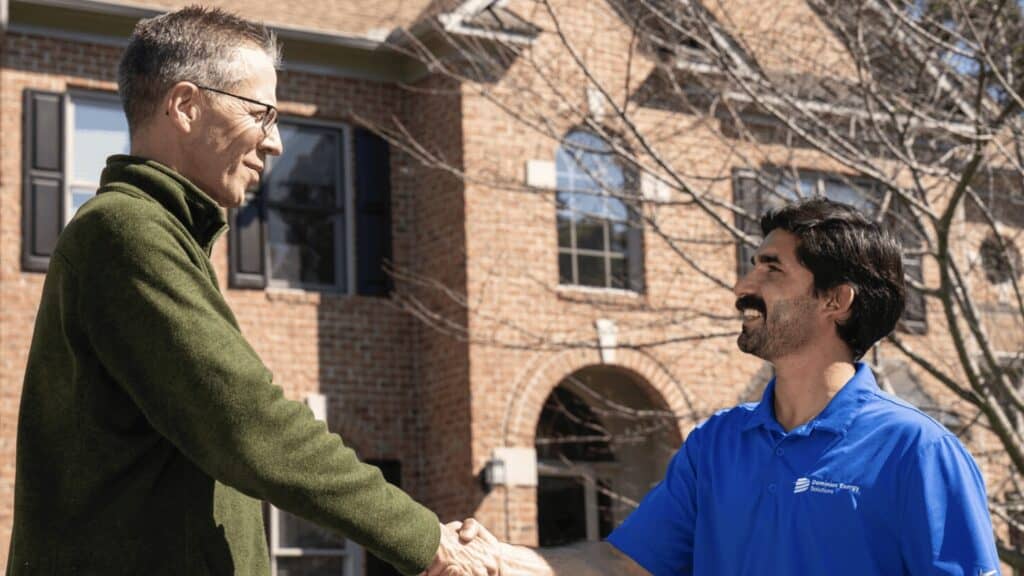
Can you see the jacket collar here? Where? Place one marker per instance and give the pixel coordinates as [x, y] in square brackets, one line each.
[838, 413]
[191, 206]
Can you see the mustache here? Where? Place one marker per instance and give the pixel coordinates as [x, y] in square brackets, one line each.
[749, 301]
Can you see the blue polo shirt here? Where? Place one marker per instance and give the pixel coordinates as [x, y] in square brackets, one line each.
[870, 486]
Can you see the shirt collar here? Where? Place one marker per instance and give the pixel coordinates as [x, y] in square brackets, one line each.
[764, 413]
[191, 206]
[836, 416]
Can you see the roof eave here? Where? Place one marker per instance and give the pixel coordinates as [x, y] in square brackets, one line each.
[126, 10]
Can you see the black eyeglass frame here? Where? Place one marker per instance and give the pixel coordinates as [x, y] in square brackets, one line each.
[269, 117]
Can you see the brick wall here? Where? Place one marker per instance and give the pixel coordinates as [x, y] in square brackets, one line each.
[432, 112]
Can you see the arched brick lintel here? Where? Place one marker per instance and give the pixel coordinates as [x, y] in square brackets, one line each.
[536, 383]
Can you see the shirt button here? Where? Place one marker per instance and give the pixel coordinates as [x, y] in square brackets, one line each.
[771, 488]
[780, 452]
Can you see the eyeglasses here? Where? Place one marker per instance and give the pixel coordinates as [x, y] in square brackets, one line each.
[269, 117]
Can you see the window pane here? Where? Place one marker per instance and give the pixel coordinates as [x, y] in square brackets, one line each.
[575, 180]
[294, 532]
[564, 184]
[591, 154]
[588, 204]
[584, 162]
[311, 566]
[565, 269]
[619, 236]
[100, 131]
[562, 199]
[309, 171]
[80, 196]
[615, 209]
[302, 247]
[609, 175]
[590, 234]
[620, 276]
[583, 182]
[786, 190]
[564, 229]
[592, 271]
[843, 192]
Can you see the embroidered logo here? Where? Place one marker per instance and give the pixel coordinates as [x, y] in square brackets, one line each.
[801, 485]
[805, 484]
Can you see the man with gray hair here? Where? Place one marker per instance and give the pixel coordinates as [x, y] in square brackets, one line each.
[149, 429]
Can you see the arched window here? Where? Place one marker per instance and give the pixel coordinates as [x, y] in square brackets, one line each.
[600, 242]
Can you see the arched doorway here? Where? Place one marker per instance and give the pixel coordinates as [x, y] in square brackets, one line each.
[604, 438]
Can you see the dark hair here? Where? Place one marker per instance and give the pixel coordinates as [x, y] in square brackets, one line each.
[195, 43]
[840, 246]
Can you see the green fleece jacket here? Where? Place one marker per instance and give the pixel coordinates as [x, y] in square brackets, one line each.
[150, 430]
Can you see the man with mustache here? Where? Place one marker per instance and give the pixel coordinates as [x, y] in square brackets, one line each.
[826, 474]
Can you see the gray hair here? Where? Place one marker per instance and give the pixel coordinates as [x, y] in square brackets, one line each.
[195, 43]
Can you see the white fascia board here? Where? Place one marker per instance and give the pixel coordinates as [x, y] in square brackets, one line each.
[470, 7]
[453, 24]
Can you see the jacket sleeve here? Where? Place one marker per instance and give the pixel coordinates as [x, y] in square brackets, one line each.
[161, 328]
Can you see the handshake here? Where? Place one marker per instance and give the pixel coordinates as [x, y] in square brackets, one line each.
[469, 549]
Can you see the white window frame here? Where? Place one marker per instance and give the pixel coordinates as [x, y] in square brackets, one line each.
[352, 552]
[69, 145]
[344, 239]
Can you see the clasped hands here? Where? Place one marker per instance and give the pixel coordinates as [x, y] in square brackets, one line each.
[466, 549]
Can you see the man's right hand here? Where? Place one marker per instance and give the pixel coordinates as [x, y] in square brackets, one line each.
[463, 557]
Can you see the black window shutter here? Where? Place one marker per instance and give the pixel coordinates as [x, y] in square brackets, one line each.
[635, 255]
[745, 196]
[246, 245]
[373, 213]
[42, 177]
[915, 316]
[392, 470]
[900, 220]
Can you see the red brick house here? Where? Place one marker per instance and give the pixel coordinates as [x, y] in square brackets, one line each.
[456, 410]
